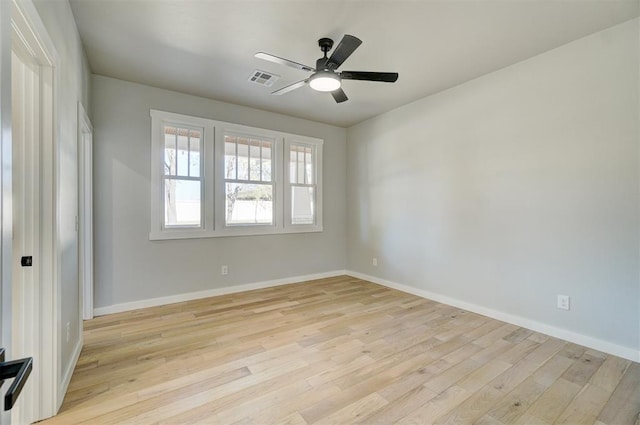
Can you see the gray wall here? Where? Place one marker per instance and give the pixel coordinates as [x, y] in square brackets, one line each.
[73, 78]
[512, 188]
[129, 267]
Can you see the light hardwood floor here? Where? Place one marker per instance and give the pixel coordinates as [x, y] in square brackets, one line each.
[338, 351]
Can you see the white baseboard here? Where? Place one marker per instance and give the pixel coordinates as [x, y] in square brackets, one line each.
[66, 376]
[581, 339]
[154, 302]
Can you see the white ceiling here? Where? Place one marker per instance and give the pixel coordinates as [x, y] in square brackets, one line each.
[206, 48]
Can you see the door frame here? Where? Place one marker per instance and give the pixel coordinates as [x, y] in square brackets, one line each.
[85, 219]
[30, 30]
[6, 190]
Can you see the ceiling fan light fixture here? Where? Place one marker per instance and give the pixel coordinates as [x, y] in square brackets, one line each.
[325, 81]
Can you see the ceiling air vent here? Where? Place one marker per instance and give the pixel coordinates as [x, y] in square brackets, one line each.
[263, 78]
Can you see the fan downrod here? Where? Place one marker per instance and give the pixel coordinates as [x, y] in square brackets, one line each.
[325, 45]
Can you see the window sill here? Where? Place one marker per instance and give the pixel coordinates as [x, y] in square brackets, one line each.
[232, 232]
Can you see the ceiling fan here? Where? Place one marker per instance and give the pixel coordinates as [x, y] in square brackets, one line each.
[325, 77]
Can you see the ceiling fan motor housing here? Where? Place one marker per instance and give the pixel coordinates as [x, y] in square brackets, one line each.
[325, 44]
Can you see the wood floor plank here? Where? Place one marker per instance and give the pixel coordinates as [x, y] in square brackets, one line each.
[582, 369]
[509, 409]
[551, 404]
[608, 376]
[355, 411]
[623, 407]
[584, 408]
[275, 412]
[472, 408]
[251, 407]
[338, 350]
[436, 407]
[399, 406]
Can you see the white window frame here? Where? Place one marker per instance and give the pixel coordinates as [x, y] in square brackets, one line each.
[213, 184]
[222, 229]
[316, 145]
[178, 177]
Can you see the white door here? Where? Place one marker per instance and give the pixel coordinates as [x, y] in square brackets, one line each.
[33, 281]
[25, 130]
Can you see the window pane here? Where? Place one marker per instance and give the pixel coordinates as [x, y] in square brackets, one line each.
[302, 205]
[249, 203]
[181, 151]
[254, 160]
[293, 165]
[243, 159]
[248, 159]
[301, 164]
[170, 151]
[194, 160]
[182, 168]
[266, 161]
[229, 157]
[309, 166]
[181, 203]
[300, 172]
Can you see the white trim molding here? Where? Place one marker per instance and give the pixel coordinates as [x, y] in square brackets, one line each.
[189, 296]
[565, 334]
[67, 374]
[85, 213]
[6, 189]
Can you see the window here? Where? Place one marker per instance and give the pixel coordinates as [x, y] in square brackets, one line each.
[182, 177]
[211, 178]
[302, 186]
[249, 186]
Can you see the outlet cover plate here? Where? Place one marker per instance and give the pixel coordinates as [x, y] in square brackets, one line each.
[564, 302]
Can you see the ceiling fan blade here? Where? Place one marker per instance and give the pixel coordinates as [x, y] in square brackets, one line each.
[283, 61]
[339, 95]
[290, 87]
[347, 45]
[385, 77]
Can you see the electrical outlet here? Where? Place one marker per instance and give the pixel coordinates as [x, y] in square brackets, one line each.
[374, 262]
[563, 302]
[224, 270]
[68, 331]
